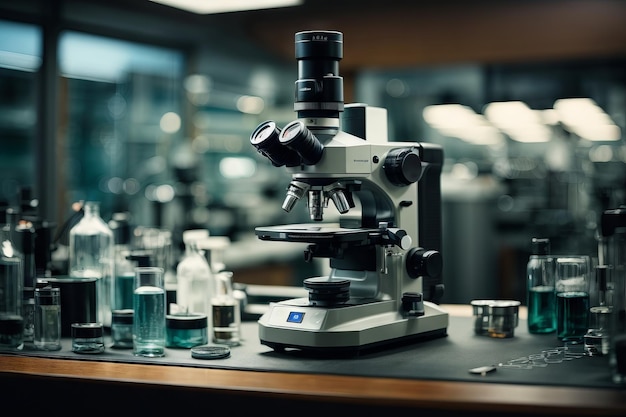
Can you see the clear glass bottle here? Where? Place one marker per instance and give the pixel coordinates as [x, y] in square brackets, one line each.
[11, 292]
[541, 296]
[47, 318]
[195, 281]
[225, 311]
[91, 255]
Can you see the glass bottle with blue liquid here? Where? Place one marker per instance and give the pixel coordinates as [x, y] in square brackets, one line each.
[541, 297]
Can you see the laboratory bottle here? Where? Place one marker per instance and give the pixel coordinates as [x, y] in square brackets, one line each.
[195, 282]
[541, 296]
[124, 268]
[11, 292]
[91, 255]
[47, 318]
[225, 311]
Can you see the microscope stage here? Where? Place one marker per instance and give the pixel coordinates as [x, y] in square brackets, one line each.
[317, 233]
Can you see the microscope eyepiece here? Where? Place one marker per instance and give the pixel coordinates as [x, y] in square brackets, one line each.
[319, 88]
[265, 140]
[298, 138]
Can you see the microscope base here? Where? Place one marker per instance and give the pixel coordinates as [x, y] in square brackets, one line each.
[349, 328]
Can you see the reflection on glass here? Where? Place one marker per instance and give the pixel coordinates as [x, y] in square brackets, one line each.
[121, 113]
[20, 58]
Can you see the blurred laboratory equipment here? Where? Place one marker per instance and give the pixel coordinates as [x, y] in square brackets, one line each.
[157, 242]
[226, 311]
[541, 299]
[597, 338]
[149, 306]
[11, 287]
[124, 268]
[194, 279]
[213, 248]
[25, 233]
[612, 252]
[385, 259]
[91, 255]
[495, 318]
[572, 296]
[47, 318]
[125, 276]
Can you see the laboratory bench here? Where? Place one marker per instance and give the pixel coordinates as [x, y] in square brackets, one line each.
[428, 378]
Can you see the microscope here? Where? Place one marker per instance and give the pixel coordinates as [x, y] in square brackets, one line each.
[384, 243]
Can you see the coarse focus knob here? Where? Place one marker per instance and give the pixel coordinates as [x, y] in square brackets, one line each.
[421, 262]
[403, 166]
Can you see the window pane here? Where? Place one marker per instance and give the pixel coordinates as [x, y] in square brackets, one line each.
[114, 96]
[20, 58]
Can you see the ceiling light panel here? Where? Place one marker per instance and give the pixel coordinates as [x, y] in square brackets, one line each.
[220, 6]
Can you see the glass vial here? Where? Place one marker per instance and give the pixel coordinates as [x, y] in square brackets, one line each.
[149, 307]
[11, 292]
[186, 330]
[541, 297]
[47, 318]
[87, 338]
[122, 328]
[91, 255]
[195, 281]
[225, 312]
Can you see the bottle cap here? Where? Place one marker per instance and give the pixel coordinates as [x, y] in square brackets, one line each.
[86, 330]
[48, 296]
[186, 321]
[124, 316]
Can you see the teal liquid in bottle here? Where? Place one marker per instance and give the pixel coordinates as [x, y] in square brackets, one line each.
[541, 297]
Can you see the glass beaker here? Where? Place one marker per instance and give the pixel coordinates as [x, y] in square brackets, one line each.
[572, 296]
[149, 306]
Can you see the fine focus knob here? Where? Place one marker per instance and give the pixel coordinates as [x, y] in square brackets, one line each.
[413, 304]
[403, 166]
[421, 262]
